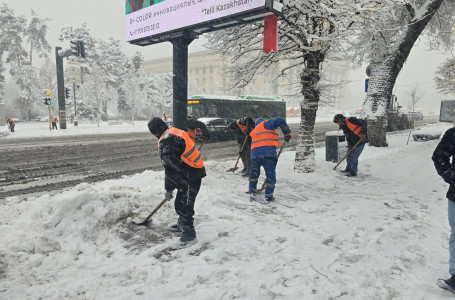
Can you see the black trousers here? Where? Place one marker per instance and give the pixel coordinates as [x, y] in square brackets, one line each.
[245, 155]
[184, 203]
[54, 124]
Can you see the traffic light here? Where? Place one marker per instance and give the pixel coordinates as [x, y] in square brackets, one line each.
[47, 101]
[75, 47]
[67, 93]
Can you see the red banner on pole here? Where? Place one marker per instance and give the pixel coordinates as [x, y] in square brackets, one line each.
[270, 34]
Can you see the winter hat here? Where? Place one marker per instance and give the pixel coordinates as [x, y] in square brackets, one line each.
[258, 121]
[157, 125]
[338, 118]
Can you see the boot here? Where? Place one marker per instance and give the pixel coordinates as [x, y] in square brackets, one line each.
[176, 228]
[269, 198]
[447, 284]
[351, 173]
[188, 236]
[345, 171]
[252, 196]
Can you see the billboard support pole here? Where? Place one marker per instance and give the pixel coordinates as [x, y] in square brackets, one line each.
[60, 88]
[180, 81]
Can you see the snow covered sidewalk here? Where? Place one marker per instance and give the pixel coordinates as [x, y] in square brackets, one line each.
[382, 235]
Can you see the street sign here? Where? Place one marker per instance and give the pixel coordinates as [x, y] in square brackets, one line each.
[368, 71]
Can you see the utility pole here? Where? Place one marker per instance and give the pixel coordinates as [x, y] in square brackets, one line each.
[75, 108]
[77, 49]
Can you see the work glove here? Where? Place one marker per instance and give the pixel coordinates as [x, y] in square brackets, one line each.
[287, 137]
[168, 195]
[362, 136]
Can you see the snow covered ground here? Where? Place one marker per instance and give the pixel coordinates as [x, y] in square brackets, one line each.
[383, 235]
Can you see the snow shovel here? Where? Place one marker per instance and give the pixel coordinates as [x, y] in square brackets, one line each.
[235, 167]
[279, 153]
[348, 153]
[144, 223]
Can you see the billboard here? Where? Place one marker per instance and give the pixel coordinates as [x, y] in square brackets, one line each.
[154, 21]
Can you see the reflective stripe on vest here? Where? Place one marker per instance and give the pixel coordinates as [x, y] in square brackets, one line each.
[191, 155]
[263, 137]
[354, 128]
[242, 127]
[191, 133]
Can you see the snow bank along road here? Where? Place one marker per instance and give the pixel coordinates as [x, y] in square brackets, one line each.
[35, 165]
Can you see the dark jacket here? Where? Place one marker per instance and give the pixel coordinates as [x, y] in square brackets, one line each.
[441, 158]
[351, 137]
[195, 124]
[234, 127]
[176, 171]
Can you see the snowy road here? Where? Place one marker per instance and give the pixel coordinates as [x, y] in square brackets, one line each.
[45, 164]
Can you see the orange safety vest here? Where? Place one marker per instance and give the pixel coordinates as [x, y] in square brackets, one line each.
[354, 128]
[12, 122]
[242, 127]
[263, 137]
[191, 155]
[54, 120]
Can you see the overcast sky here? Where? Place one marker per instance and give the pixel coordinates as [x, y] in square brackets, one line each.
[106, 18]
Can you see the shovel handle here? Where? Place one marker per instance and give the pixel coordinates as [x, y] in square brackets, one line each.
[154, 211]
[238, 158]
[347, 154]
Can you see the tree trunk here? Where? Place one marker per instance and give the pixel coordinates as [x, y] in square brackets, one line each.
[309, 78]
[385, 71]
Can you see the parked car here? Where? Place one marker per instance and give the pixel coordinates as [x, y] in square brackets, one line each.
[416, 115]
[218, 128]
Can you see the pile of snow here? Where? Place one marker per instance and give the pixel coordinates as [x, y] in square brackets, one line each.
[382, 235]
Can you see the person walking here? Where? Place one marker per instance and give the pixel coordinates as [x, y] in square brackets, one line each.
[184, 170]
[193, 125]
[354, 129]
[444, 152]
[11, 124]
[264, 140]
[54, 123]
[242, 129]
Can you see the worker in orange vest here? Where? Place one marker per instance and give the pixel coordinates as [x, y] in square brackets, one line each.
[184, 170]
[354, 129]
[241, 129]
[264, 140]
[194, 125]
[54, 123]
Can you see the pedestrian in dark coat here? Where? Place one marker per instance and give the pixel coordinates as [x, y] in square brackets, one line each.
[354, 129]
[184, 170]
[11, 124]
[442, 156]
[242, 129]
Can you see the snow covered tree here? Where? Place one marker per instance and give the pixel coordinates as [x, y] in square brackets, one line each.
[94, 90]
[48, 80]
[386, 41]
[160, 93]
[415, 95]
[445, 77]
[307, 30]
[35, 33]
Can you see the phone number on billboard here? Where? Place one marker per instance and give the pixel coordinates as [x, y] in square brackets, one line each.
[146, 28]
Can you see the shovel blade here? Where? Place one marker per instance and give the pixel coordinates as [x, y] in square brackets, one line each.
[232, 169]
